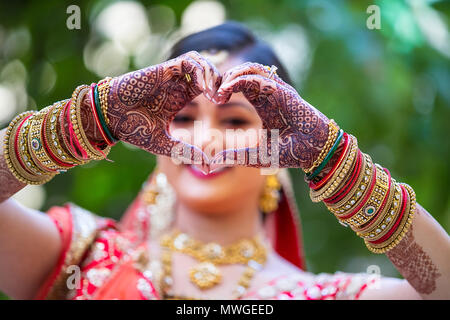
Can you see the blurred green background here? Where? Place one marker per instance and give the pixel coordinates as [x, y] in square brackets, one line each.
[389, 87]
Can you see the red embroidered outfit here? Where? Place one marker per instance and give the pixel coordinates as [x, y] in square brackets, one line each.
[113, 258]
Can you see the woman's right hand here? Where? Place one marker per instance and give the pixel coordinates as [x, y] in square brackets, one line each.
[141, 104]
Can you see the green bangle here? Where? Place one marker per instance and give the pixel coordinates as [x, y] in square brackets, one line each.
[327, 158]
[101, 117]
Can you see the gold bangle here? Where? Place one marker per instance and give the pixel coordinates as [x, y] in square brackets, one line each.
[52, 136]
[333, 130]
[340, 174]
[65, 142]
[379, 229]
[24, 145]
[37, 140]
[355, 194]
[103, 92]
[402, 229]
[358, 198]
[374, 201]
[17, 170]
[75, 118]
[35, 146]
[9, 150]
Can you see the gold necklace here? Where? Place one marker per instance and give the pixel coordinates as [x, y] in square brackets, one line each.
[206, 274]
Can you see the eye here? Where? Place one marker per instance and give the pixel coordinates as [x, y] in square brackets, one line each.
[235, 122]
[182, 118]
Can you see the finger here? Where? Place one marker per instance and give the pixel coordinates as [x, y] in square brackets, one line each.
[249, 68]
[211, 73]
[252, 86]
[196, 74]
[180, 152]
[182, 65]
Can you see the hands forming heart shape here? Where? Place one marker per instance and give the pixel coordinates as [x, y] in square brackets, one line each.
[143, 103]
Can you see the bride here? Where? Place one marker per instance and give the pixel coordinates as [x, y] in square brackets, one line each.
[212, 229]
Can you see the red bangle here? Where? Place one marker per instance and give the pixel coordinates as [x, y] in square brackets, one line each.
[73, 138]
[317, 186]
[73, 152]
[96, 118]
[350, 183]
[397, 222]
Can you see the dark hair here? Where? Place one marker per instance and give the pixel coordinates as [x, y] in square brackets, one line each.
[235, 38]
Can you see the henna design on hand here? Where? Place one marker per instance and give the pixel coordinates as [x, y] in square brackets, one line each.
[9, 184]
[303, 130]
[414, 263]
[143, 103]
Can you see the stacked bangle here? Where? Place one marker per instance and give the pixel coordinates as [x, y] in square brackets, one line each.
[375, 228]
[401, 226]
[103, 92]
[364, 196]
[339, 172]
[77, 125]
[40, 145]
[333, 132]
[343, 194]
[16, 162]
[327, 158]
[100, 114]
[53, 138]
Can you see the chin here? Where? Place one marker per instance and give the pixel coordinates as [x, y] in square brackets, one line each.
[207, 194]
[211, 204]
[218, 193]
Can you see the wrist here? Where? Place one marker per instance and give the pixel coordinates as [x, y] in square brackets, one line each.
[362, 195]
[332, 162]
[88, 120]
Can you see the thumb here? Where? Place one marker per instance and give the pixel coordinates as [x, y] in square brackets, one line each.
[184, 153]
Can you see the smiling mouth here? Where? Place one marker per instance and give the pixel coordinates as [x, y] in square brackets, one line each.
[195, 171]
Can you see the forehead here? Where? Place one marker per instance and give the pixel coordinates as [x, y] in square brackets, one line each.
[229, 63]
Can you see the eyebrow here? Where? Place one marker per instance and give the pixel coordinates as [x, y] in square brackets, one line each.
[192, 104]
[235, 103]
[225, 105]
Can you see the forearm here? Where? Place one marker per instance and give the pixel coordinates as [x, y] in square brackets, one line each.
[423, 257]
[38, 145]
[382, 212]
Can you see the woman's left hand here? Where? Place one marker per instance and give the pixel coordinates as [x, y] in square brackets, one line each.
[302, 129]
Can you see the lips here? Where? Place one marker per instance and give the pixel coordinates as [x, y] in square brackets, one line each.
[195, 171]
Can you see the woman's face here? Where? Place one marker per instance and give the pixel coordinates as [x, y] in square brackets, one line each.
[214, 128]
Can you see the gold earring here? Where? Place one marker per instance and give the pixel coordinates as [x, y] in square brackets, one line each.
[268, 202]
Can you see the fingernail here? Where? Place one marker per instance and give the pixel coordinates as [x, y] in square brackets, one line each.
[205, 170]
[215, 169]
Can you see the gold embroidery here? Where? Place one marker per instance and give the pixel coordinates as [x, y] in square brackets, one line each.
[84, 230]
